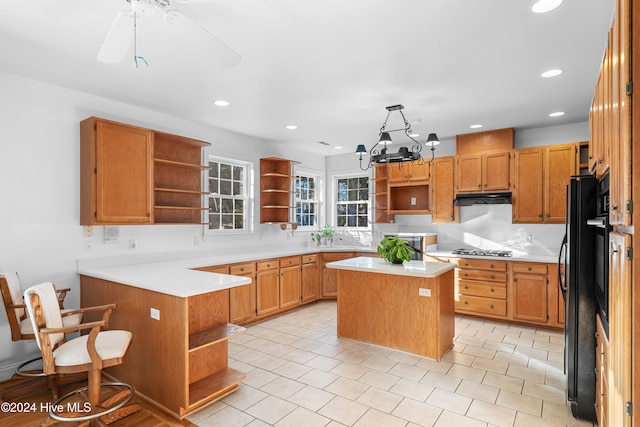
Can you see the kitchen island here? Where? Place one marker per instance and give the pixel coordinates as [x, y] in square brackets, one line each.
[409, 307]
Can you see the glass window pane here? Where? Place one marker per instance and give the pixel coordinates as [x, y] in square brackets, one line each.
[227, 221]
[351, 221]
[213, 169]
[341, 209]
[238, 173]
[362, 208]
[342, 190]
[351, 209]
[239, 206]
[214, 222]
[341, 221]
[363, 194]
[353, 183]
[364, 182]
[225, 188]
[225, 171]
[362, 221]
[227, 206]
[237, 188]
[239, 222]
[214, 204]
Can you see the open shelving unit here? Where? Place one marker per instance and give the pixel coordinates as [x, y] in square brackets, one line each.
[177, 179]
[380, 194]
[275, 190]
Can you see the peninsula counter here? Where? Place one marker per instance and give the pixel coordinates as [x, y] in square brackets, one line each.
[408, 307]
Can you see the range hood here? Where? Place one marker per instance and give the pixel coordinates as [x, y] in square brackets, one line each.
[482, 199]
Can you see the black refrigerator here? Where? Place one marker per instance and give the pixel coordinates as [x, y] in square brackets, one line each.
[576, 276]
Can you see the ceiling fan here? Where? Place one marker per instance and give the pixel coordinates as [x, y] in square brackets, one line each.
[122, 32]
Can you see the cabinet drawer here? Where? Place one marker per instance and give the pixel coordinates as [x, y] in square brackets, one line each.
[336, 256]
[239, 269]
[488, 290]
[309, 259]
[481, 305]
[485, 276]
[220, 269]
[483, 264]
[289, 261]
[529, 267]
[267, 265]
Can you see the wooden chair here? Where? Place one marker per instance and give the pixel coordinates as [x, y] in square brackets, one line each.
[19, 324]
[90, 353]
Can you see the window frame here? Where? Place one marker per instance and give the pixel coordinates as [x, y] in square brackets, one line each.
[319, 199]
[247, 197]
[334, 196]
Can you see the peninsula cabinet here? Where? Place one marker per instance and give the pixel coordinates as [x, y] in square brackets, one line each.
[131, 175]
[178, 360]
[483, 172]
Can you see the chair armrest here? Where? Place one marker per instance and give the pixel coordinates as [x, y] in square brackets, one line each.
[62, 294]
[90, 309]
[73, 328]
[16, 305]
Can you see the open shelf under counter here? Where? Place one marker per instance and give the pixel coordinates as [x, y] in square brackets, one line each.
[213, 386]
[213, 336]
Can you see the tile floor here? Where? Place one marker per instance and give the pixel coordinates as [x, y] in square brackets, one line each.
[299, 373]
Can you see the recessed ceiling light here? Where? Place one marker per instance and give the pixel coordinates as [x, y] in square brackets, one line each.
[544, 6]
[221, 103]
[475, 126]
[414, 135]
[551, 73]
[557, 114]
[291, 127]
[338, 147]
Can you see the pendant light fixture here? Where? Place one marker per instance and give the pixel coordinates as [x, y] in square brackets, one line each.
[379, 153]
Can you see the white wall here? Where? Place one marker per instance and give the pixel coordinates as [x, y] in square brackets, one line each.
[40, 190]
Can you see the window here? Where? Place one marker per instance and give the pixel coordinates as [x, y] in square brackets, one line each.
[306, 200]
[229, 204]
[352, 202]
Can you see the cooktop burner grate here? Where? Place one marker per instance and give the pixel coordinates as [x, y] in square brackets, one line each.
[482, 252]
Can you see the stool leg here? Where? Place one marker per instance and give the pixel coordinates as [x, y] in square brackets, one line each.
[93, 390]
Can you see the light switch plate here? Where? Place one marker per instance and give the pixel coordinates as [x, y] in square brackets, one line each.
[424, 292]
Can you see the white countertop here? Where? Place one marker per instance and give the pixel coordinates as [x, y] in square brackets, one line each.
[426, 269]
[515, 257]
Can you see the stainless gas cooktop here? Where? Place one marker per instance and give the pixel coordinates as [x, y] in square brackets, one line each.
[481, 252]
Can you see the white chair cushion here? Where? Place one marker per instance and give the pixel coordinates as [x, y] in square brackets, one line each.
[75, 319]
[109, 345]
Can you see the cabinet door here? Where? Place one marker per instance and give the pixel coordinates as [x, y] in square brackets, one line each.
[309, 282]
[242, 302]
[290, 289]
[527, 191]
[559, 166]
[399, 172]
[329, 275]
[496, 171]
[419, 171]
[267, 291]
[620, 329]
[123, 174]
[443, 191]
[469, 173]
[530, 298]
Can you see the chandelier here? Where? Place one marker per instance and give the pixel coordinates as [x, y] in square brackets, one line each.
[379, 152]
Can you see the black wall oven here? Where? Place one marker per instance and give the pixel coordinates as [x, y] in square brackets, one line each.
[601, 227]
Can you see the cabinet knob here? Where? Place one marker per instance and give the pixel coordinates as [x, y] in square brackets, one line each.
[491, 289]
[479, 185]
[466, 287]
[465, 274]
[492, 276]
[614, 207]
[491, 266]
[241, 268]
[466, 302]
[491, 306]
[529, 268]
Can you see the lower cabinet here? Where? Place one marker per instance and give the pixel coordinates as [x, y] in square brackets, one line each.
[267, 287]
[602, 371]
[530, 300]
[242, 299]
[330, 276]
[309, 272]
[290, 286]
[481, 287]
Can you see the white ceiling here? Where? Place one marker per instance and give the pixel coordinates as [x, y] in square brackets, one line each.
[328, 66]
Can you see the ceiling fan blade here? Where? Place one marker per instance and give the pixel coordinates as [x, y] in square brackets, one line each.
[118, 39]
[226, 56]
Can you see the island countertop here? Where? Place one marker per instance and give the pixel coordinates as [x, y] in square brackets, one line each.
[408, 268]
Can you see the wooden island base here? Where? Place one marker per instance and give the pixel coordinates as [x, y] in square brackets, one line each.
[413, 314]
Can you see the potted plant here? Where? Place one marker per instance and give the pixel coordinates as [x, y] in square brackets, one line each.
[395, 250]
[324, 236]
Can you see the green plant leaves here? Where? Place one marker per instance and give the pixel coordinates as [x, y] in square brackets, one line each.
[393, 248]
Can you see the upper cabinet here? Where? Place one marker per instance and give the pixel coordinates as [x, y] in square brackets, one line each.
[380, 193]
[560, 163]
[409, 172]
[527, 188]
[483, 161]
[275, 190]
[131, 175]
[443, 191]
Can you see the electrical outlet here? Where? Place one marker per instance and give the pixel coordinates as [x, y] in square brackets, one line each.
[155, 313]
[413, 201]
[424, 292]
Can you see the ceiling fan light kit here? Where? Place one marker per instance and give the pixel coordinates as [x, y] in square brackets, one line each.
[120, 35]
[404, 154]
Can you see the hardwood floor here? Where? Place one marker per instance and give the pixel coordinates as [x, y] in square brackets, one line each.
[27, 407]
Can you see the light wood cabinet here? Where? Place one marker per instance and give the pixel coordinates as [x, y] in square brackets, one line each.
[267, 287]
[242, 299]
[620, 330]
[309, 271]
[530, 292]
[116, 173]
[330, 276]
[290, 283]
[560, 163]
[487, 172]
[409, 172]
[481, 287]
[602, 373]
[275, 190]
[443, 191]
[528, 186]
[132, 175]
[179, 361]
[381, 193]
